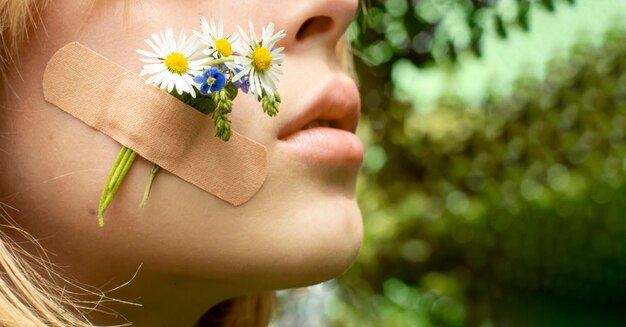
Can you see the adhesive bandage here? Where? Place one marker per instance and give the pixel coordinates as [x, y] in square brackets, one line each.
[156, 125]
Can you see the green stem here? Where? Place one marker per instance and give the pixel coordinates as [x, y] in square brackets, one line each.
[153, 171]
[219, 61]
[118, 169]
[125, 165]
[105, 189]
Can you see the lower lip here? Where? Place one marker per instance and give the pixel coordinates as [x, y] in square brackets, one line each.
[326, 145]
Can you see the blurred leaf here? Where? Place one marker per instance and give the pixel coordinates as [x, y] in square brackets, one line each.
[500, 28]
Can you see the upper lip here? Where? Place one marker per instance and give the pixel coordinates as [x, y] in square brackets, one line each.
[338, 103]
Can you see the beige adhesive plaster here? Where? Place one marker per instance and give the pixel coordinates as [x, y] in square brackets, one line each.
[154, 124]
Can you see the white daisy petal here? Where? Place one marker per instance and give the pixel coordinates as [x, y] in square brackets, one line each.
[165, 46]
[167, 78]
[190, 48]
[276, 71]
[158, 43]
[220, 29]
[273, 76]
[196, 63]
[212, 27]
[263, 78]
[180, 83]
[277, 60]
[243, 35]
[147, 53]
[253, 37]
[188, 79]
[181, 41]
[151, 79]
[268, 84]
[272, 41]
[204, 25]
[153, 68]
[170, 40]
[208, 52]
[238, 76]
[267, 34]
[158, 79]
[198, 34]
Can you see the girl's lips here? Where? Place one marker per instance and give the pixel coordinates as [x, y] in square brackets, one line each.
[324, 130]
[326, 145]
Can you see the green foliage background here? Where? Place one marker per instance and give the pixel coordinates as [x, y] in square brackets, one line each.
[507, 214]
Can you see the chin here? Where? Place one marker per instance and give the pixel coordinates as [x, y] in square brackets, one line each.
[323, 241]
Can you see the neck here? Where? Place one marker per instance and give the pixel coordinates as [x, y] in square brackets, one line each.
[172, 301]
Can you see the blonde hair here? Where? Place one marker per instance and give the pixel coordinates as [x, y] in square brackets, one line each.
[27, 298]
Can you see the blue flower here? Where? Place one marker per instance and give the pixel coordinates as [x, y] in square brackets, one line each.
[211, 80]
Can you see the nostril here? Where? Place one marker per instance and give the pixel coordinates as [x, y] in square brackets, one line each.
[314, 26]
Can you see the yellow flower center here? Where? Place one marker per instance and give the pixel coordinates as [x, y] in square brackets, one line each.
[176, 63]
[223, 47]
[262, 59]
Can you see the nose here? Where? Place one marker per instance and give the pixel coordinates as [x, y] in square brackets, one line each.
[317, 21]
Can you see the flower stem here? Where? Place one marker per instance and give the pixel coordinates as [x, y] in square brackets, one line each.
[153, 171]
[105, 190]
[219, 61]
[122, 165]
[118, 169]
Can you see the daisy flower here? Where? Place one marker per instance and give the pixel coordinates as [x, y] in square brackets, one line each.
[173, 63]
[260, 59]
[219, 46]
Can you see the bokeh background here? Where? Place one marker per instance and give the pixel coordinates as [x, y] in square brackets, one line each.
[493, 189]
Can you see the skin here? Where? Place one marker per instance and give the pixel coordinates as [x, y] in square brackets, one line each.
[301, 228]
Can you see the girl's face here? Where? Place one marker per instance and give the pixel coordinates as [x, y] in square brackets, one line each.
[302, 227]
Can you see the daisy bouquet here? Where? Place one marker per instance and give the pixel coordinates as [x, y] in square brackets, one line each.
[206, 70]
